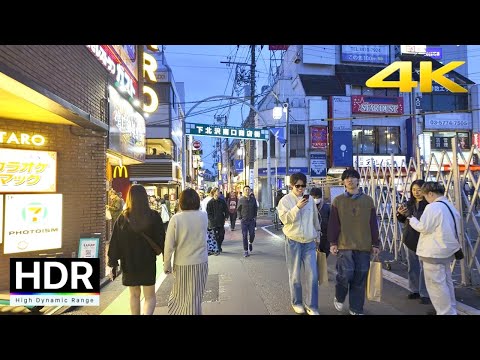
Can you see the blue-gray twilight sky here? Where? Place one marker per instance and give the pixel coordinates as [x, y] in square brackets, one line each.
[200, 68]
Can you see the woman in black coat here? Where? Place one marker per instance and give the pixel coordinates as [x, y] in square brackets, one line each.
[414, 207]
[323, 210]
[136, 255]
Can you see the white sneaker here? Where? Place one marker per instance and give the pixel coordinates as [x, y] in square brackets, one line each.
[298, 309]
[353, 312]
[338, 305]
[312, 312]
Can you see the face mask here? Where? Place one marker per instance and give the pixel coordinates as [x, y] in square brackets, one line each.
[317, 201]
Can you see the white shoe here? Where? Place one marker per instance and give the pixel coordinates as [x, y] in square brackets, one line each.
[312, 312]
[338, 305]
[298, 309]
[353, 312]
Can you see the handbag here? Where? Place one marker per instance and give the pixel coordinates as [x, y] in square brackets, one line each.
[212, 245]
[322, 267]
[155, 247]
[375, 280]
[459, 253]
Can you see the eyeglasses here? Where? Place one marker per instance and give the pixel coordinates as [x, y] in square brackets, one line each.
[299, 186]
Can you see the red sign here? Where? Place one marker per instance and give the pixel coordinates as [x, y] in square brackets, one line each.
[318, 136]
[376, 105]
[476, 140]
[197, 145]
[278, 47]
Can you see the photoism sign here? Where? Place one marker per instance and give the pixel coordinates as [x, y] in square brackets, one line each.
[226, 131]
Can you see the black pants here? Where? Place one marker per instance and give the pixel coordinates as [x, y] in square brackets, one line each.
[233, 218]
[219, 235]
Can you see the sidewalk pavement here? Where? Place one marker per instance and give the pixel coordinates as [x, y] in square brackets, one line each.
[258, 284]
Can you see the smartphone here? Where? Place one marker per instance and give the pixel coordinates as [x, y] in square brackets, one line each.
[306, 196]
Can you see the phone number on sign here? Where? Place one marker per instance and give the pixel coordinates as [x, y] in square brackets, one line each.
[464, 123]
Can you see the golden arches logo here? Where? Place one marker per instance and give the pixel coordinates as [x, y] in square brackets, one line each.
[121, 170]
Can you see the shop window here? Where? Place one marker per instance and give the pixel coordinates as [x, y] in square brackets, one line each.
[297, 140]
[376, 140]
[272, 146]
[444, 102]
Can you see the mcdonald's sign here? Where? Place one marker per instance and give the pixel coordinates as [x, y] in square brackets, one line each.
[121, 170]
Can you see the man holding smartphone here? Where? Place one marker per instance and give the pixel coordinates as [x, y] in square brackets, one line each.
[301, 227]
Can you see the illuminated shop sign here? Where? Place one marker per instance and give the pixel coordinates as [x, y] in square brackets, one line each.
[1, 218]
[32, 222]
[122, 170]
[149, 74]
[376, 105]
[13, 138]
[127, 128]
[27, 171]
[115, 65]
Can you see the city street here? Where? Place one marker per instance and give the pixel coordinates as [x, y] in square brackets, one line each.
[258, 285]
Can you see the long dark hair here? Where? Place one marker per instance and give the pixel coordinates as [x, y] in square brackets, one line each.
[137, 208]
[419, 183]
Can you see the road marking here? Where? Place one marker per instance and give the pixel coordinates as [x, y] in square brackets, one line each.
[271, 233]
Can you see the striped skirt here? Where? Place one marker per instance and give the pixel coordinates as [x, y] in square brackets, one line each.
[188, 288]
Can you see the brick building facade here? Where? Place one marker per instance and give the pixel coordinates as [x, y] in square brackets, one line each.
[62, 91]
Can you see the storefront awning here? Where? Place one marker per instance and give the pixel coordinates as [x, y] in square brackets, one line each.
[28, 101]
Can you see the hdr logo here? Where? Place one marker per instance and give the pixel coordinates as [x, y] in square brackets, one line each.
[55, 282]
[121, 170]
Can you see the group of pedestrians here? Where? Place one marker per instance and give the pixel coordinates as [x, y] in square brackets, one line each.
[348, 229]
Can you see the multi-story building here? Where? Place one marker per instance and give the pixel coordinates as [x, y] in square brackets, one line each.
[335, 121]
[58, 103]
[161, 173]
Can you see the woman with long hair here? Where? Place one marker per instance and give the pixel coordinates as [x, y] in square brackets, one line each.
[414, 207]
[137, 257]
[186, 241]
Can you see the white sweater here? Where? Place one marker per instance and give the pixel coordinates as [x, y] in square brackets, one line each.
[437, 230]
[301, 225]
[186, 239]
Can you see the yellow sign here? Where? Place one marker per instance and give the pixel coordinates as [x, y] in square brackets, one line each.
[149, 68]
[120, 171]
[27, 171]
[405, 84]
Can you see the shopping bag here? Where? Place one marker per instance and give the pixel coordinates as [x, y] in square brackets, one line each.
[375, 280]
[322, 268]
[108, 215]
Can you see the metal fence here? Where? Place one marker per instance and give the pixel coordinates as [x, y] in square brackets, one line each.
[389, 185]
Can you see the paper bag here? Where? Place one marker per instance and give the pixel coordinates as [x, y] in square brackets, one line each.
[375, 281]
[322, 268]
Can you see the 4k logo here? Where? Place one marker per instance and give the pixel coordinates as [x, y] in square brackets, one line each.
[427, 76]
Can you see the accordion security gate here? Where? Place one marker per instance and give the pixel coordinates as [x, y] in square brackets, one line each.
[388, 183]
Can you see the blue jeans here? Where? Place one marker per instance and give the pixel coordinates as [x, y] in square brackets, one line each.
[248, 228]
[298, 254]
[416, 279]
[352, 271]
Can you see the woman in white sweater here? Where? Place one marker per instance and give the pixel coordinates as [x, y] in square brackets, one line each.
[186, 242]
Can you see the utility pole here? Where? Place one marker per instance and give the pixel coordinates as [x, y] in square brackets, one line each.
[251, 115]
[286, 109]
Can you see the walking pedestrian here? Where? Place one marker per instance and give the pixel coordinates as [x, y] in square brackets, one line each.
[323, 210]
[217, 212]
[247, 213]
[186, 242]
[129, 245]
[232, 209]
[353, 236]
[301, 229]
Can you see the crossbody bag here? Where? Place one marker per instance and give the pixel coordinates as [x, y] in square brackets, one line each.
[459, 254]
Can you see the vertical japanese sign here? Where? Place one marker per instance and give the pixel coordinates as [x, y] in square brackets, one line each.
[1, 219]
[27, 171]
